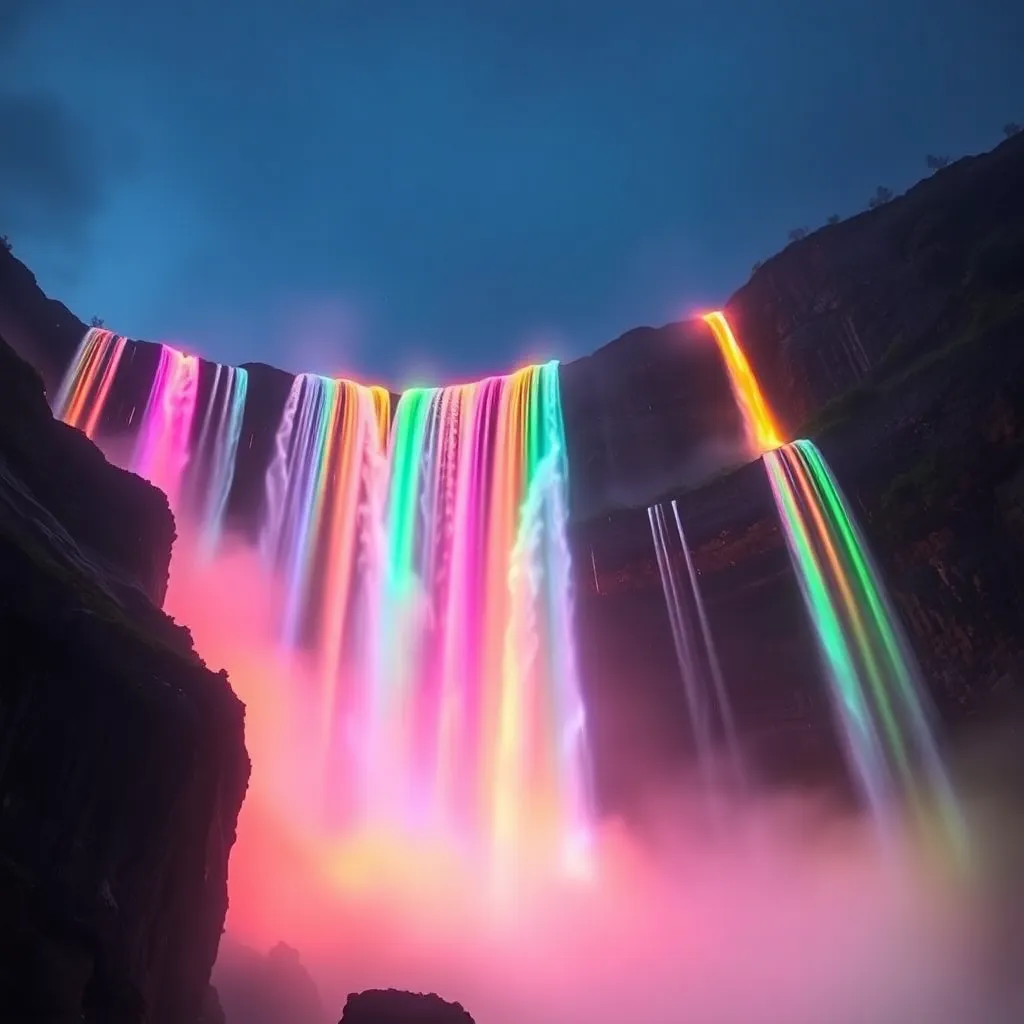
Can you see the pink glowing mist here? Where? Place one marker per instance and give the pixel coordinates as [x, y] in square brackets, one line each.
[793, 917]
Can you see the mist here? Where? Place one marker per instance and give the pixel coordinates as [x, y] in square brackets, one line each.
[792, 913]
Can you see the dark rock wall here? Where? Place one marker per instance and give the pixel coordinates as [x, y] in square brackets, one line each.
[649, 411]
[122, 760]
[820, 316]
[41, 330]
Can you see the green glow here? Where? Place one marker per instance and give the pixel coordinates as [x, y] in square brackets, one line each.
[407, 462]
[869, 665]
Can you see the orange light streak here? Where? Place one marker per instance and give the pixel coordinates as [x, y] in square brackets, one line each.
[762, 431]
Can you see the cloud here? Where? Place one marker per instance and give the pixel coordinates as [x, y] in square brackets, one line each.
[50, 182]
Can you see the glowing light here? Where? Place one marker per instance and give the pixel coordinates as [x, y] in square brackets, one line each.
[166, 452]
[762, 432]
[449, 622]
[216, 450]
[878, 695]
[163, 445]
[83, 392]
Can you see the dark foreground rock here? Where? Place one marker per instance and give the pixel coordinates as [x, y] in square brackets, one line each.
[122, 758]
[392, 1006]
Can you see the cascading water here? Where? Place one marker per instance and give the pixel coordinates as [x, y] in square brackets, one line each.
[711, 720]
[162, 449]
[760, 427]
[86, 385]
[877, 691]
[194, 471]
[212, 468]
[324, 500]
[456, 698]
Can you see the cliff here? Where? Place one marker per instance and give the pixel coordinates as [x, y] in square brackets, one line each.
[122, 761]
[926, 435]
[856, 302]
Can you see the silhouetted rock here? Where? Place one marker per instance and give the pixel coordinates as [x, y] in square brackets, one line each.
[392, 1006]
[122, 761]
[271, 989]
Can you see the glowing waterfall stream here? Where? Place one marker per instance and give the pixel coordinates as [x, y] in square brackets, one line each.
[878, 695]
[162, 448]
[86, 385]
[195, 472]
[710, 712]
[445, 572]
[212, 469]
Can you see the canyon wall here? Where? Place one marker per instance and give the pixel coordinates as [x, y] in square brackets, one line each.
[122, 760]
[872, 335]
[857, 301]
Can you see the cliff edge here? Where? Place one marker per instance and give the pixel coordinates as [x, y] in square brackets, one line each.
[122, 756]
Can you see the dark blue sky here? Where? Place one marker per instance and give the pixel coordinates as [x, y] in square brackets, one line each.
[427, 189]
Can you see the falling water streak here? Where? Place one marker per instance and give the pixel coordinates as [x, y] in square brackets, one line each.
[877, 692]
[83, 393]
[277, 476]
[856, 729]
[895, 667]
[573, 749]
[162, 448]
[759, 425]
[224, 443]
[694, 687]
[722, 701]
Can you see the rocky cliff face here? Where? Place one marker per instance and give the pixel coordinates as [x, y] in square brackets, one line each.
[122, 761]
[926, 435]
[855, 301]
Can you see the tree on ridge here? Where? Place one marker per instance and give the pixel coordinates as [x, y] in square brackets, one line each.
[882, 196]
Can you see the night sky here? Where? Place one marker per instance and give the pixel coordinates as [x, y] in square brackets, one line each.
[422, 190]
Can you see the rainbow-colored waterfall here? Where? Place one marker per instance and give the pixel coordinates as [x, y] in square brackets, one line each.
[83, 392]
[429, 585]
[194, 468]
[423, 576]
[878, 696]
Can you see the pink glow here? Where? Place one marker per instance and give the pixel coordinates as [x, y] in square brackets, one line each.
[790, 918]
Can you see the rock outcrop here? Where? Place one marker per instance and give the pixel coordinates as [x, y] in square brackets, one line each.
[392, 1006]
[271, 989]
[122, 758]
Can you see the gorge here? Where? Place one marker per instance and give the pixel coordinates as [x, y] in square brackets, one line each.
[890, 340]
